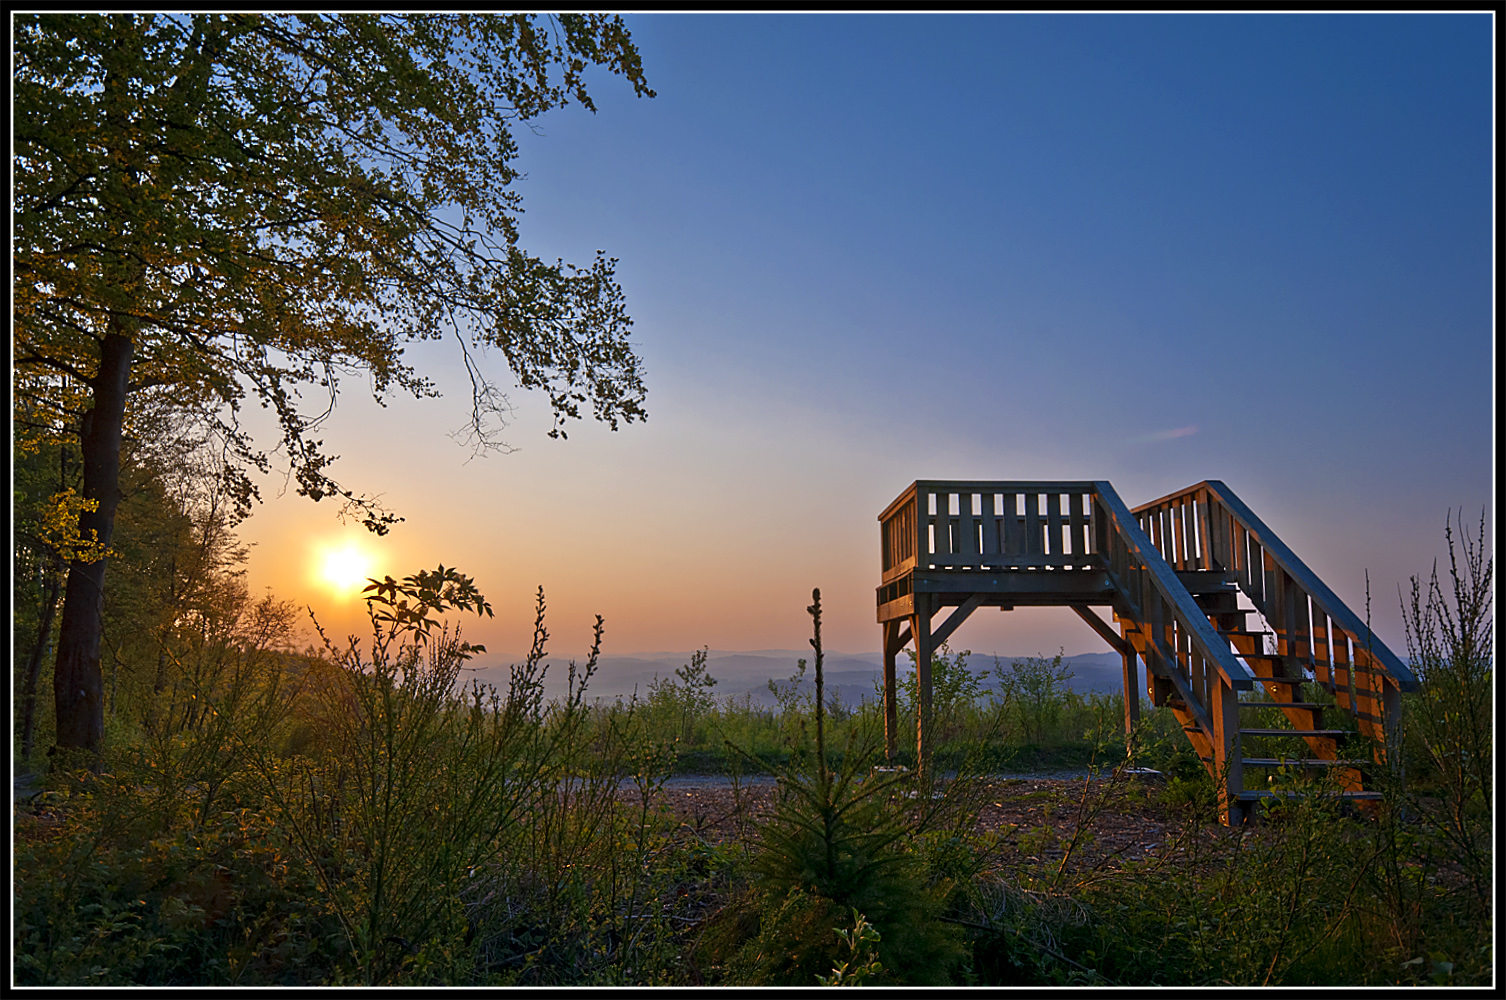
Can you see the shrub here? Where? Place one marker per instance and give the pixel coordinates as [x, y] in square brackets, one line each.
[837, 843]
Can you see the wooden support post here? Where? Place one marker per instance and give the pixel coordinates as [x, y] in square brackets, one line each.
[1228, 765]
[920, 628]
[891, 650]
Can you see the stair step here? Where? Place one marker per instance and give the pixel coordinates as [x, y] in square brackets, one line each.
[1280, 704]
[1251, 796]
[1240, 631]
[1305, 762]
[1292, 732]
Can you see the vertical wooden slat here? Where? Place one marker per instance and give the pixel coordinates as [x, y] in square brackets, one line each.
[1321, 652]
[1184, 555]
[1239, 553]
[1009, 525]
[1197, 679]
[1032, 524]
[1343, 680]
[1294, 611]
[1054, 528]
[1206, 560]
[1194, 551]
[1222, 550]
[967, 539]
[991, 524]
[925, 528]
[1269, 584]
[1077, 549]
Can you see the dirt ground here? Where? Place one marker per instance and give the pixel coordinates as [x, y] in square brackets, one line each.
[1029, 817]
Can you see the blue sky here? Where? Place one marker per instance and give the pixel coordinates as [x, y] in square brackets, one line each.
[865, 250]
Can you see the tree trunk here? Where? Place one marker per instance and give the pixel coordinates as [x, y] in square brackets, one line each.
[44, 634]
[34, 663]
[78, 685]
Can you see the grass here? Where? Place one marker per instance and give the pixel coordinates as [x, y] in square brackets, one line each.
[357, 816]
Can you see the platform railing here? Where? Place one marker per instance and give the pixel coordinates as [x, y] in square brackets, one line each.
[1208, 527]
[940, 526]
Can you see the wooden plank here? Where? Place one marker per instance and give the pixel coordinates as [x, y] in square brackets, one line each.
[1343, 681]
[1204, 531]
[1054, 529]
[1070, 586]
[967, 530]
[969, 560]
[1082, 533]
[1297, 620]
[1185, 559]
[1270, 575]
[1223, 542]
[900, 607]
[1032, 524]
[1321, 651]
[1254, 560]
[991, 518]
[1009, 523]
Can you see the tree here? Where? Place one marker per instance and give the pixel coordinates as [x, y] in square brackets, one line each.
[209, 206]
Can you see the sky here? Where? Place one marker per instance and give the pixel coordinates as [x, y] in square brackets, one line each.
[861, 251]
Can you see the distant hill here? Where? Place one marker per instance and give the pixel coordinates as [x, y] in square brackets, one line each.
[851, 676]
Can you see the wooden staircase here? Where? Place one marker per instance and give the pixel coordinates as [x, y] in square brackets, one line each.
[1182, 575]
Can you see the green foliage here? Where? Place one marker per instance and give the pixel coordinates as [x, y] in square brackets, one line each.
[211, 175]
[210, 205]
[357, 817]
[681, 705]
[1035, 692]
[837, 841]
[1449, 721]
[864, 964]
[955, 690]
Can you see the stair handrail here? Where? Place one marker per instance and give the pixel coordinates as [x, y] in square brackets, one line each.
[1189, 617]
[1327, 601]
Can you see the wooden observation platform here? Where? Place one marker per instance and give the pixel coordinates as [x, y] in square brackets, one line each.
[1180, 575]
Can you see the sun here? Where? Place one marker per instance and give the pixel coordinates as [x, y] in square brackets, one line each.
[345, 570]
